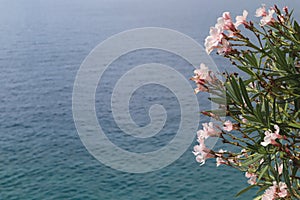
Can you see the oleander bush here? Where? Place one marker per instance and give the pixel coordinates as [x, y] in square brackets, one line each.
[258, 105]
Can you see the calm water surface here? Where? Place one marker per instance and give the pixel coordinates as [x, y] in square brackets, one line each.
[43, 43]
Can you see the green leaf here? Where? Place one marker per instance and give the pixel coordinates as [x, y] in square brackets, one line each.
[247, 70]
[279, 56]
[252, 119]
[294, 125]
[297, 29]
[286, 176]
[256, 158]
[263, 172]
[291, 77]
[219, 112]
[244, 190]
[218, 100]
[245, 94]
[294, 172]
[266, 106]
[263, 188]
[252, 59]
[230, 93]
[236, 90]
[258, 113]
[274, 173]
[262, 150]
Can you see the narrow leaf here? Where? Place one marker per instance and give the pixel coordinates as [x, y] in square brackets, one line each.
[245, 93]
[244, 190]
[262, 172]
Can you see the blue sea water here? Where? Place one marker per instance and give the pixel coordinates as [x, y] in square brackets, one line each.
[43, 43]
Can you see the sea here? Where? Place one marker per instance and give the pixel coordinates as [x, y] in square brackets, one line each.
[43, 43]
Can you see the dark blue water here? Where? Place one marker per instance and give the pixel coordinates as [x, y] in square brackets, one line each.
[43, 43]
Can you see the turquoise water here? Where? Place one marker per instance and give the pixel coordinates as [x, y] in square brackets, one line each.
[43, 43]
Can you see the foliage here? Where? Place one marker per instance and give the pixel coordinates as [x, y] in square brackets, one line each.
[261, 102]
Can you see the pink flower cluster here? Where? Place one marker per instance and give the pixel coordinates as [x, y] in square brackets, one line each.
[225, 37]
[217, 38]
[270, 138]
[275, 191]
[228, 126]
[208, 131]
[252, 178]
[267, 17]
[202, 76]
[201, 151]
[219, 158]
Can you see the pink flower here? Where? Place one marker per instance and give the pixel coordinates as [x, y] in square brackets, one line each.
[201, 158]
[225, 22]
[202, 72]
[202, 152]
[226, 16]
[261, 12]
[282, 190]
[200, 88]
[228, 126]
[241, 19]
[202, 134]
[268, 19]
[197, 149]
[220, 161]
[270, 193]
[271, 137]
[252, 178]
[202, 75]
[201, 140]
[212, 41]
[216, 34]
[208, 131]
[275, 191]
[220, 153]
[285, 9]
[225, 48]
